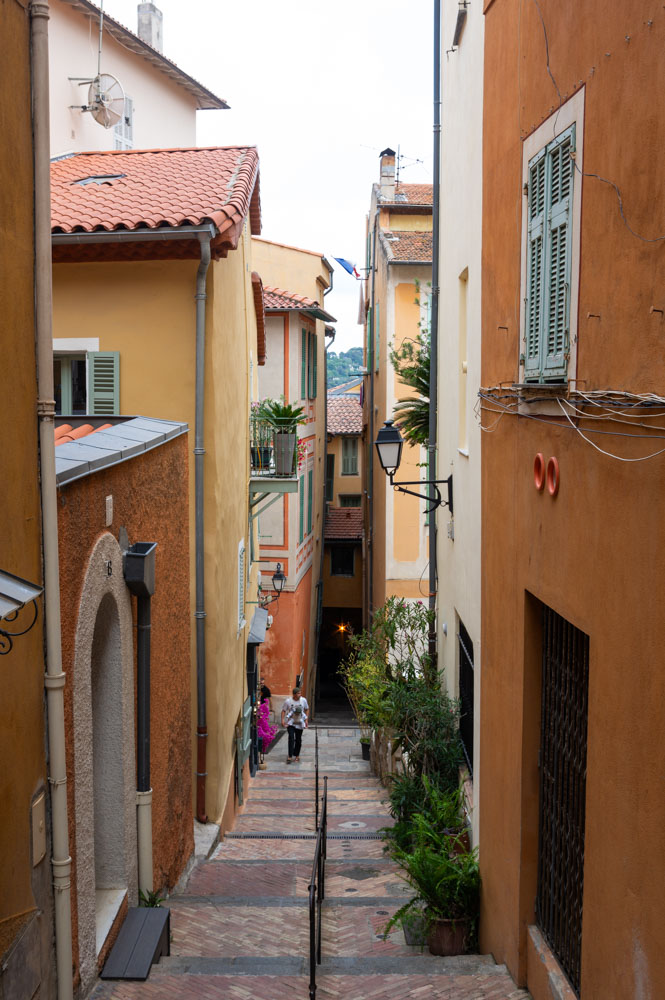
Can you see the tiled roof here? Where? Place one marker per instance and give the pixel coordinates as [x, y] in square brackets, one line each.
[345, 415]
[407, 247]
[87, 449]
[205, 99]
[413, 194]
[147, 189]
[344, 524]
[279, 300]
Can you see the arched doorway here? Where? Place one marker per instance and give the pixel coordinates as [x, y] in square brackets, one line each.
[104, 755]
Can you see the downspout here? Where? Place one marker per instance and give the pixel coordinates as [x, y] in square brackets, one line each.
[434, 332]
[199, 452]
[370, 449]
[55, 679]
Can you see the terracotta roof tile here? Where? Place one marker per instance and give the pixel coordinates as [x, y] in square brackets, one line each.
[345, 415]
[155, 187]
[344, 524]
[413, 194]
[406, 246]
[65, 434]
[279, 300]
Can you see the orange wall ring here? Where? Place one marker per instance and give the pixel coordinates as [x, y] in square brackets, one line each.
[553, 477]
[539, 471]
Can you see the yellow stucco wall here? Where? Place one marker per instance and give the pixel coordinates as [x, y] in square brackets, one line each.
[410, 223]
[148, 315]
[407, 517]
[345, 484]
[22, 767]
[343, 591]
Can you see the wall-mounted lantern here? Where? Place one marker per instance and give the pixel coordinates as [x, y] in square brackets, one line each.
[278, 581]
[15, 595]
[389, 443]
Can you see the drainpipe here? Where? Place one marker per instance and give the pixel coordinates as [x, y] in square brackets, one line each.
[199, 452]
[55, 679]
[139, 571]
[370, 450]
[434, 332]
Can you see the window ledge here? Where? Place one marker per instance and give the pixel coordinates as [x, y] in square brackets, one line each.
[463, 451]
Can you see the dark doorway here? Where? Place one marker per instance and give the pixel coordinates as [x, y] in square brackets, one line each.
[332, 704]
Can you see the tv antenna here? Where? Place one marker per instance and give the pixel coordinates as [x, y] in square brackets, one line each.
[106, 97]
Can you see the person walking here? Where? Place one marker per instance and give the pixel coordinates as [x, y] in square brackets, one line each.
[294, 717]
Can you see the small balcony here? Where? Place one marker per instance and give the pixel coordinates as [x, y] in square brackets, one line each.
[273, 456]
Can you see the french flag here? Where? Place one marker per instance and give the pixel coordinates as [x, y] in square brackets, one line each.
[348, 266]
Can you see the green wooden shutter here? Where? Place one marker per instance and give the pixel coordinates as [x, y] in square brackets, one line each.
[315, 365]
[330, 478]
[303, 364]
[535, 267]
[241, 585]
[103, 382]
[557, 292]
[301, 498]
[349, 456]
[377, 338]
[309, 366]
[310, 499]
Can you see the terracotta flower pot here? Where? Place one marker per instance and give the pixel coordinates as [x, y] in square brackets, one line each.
[449, 937]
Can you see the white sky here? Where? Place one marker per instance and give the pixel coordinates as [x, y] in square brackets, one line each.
[320, 88]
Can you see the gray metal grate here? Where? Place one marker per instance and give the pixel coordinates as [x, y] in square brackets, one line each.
[563, 750]
[301, 836]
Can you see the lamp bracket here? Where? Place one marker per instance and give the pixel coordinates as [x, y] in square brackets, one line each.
[7, 637]
[438, 499]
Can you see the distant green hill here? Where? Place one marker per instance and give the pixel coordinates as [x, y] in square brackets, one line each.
[344, 365]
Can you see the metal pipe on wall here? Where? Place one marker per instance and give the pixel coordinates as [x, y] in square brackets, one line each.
[370, 449]
[199, 453]
[434, 330]
[55, 679]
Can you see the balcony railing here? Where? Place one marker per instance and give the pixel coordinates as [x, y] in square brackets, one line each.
[273, 452]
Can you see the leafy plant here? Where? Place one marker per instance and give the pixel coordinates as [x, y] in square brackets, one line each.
[282, 416]
[150, 898]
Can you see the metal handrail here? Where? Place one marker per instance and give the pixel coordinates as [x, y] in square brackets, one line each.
[317, 891]
[316, 778]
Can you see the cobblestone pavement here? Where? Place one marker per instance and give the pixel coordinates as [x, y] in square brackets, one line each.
[240, 928]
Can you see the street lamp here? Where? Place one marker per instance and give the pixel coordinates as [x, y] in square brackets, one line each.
[278, 581]
[389, 443]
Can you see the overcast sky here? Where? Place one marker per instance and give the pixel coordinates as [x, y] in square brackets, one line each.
[320, 88]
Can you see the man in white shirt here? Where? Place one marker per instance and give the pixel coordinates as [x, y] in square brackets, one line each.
[294, 717]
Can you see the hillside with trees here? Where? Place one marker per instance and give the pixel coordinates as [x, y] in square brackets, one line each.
[344, 365]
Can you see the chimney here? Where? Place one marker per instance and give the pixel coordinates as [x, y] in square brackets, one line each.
[387, 185]
[150, 25]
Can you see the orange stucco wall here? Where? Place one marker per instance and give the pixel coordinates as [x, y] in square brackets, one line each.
[150, 500]
[281, 656]
[25, 891]
[591, 552]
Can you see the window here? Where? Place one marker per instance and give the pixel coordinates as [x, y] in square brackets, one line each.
[123, 132]
[350, 456]
[349, 500]
[87, 383]
[341, 560]
[551, 246]
[550, 199]
[330, 478]
[465, 655]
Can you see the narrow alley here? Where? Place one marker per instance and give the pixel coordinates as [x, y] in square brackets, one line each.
[240, 927]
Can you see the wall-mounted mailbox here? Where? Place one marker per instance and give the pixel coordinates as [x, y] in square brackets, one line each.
[140, 568]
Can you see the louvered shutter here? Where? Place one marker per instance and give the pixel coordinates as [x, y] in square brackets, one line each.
[535, 267]
[103, 382]
[301, 512]
[315, 365]
[241, 585]
[309, 366]
[310, 499]
[303, 364]
[377, 337]
[557, 292]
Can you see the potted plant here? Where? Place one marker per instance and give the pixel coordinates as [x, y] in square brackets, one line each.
[261, 437]
[284, 419]
[447, 888]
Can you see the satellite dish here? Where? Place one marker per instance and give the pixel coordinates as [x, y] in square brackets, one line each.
[106, 100]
